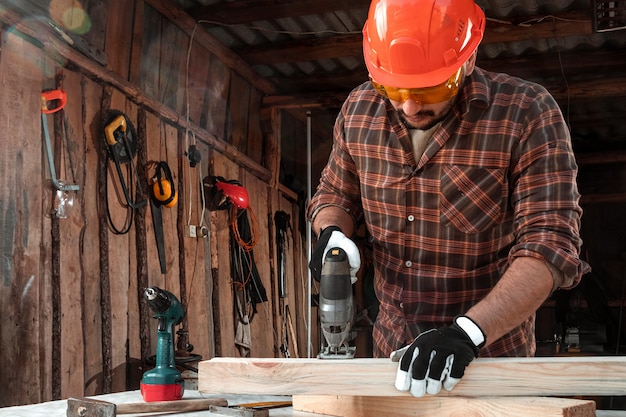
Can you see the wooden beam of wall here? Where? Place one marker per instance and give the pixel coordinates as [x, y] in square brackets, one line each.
[345, 406]
[562, 376]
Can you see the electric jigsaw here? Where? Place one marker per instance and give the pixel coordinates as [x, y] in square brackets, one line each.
[164, 382]
[336, 306]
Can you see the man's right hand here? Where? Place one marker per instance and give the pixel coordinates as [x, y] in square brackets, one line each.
[333, 237]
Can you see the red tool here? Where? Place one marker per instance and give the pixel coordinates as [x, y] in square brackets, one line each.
[51, 102]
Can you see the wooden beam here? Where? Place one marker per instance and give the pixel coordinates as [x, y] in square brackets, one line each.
[311, 49]
[246, 11]
[601, 158]
[345, 406]
[597, 199]
[556, 65]
[338, 81]
[584, 90]
[560, 376]
[351, 44]
[575, 90]
[575, 23]
[306, 101]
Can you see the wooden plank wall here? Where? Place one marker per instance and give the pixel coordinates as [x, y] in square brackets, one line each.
[73, 318]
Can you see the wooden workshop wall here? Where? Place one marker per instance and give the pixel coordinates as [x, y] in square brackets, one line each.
[73, 320]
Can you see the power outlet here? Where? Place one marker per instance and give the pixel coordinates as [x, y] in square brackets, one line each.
[191, 231]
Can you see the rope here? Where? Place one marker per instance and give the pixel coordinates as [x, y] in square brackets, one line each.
[254, 228]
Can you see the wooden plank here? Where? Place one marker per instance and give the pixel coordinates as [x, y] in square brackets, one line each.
[141, 316]
[154, 131]
[546, 376]
[137, 44]
[195, 270]
[147, 77]
[271, 121]
[183, 20]
[121, 252]
[255, 136]
[216, 100]
[168, 152]
[238, 103]
[25, 318]
[196, 82]
[71, 160]
[358, 406]
[262, 336]
[89, 203]
[171, 67]
[220, 245]
[295, 314]
[119, 31]
[154, 153]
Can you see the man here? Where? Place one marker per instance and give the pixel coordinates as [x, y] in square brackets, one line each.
[466, 182]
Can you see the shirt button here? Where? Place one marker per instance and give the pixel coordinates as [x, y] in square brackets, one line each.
[411, 218]
[408, 264]
[402, 306]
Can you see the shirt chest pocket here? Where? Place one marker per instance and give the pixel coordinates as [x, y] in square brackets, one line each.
[472, 198]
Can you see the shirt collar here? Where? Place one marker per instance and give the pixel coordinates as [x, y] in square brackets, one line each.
[475, 91]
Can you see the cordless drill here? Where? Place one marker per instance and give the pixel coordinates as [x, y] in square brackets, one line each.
[336, 306]
[164, 382]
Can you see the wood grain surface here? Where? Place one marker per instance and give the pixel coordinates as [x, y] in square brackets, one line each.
[444, 406]
[549, 376]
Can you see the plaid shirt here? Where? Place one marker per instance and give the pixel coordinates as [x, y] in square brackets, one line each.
[496, 181]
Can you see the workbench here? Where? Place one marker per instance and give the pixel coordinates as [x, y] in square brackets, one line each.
[59, 408]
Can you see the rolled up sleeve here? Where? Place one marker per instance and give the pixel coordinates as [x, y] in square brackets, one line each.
[546, 197]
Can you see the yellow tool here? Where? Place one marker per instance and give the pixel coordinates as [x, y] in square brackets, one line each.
[121, 141]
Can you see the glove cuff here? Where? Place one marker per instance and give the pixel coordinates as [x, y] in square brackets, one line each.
[472, 330]
[328, 230]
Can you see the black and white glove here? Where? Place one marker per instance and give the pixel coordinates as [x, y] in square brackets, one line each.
[333, 237]
[438, 357]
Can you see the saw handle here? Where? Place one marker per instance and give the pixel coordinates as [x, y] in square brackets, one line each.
[170, 406]
[48, 97]
[109, 130]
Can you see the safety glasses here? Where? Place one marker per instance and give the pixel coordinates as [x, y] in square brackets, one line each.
[427, 95]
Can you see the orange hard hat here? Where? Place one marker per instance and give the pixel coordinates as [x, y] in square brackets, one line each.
[420, 43]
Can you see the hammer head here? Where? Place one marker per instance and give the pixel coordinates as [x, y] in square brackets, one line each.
[88, 407]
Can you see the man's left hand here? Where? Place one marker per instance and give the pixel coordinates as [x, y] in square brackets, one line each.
[438, 357]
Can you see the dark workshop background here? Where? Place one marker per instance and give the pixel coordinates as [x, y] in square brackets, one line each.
[245, 82]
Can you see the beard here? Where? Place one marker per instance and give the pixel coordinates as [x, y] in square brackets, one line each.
[425, 118]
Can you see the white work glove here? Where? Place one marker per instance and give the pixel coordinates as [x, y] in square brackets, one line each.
[333, 237]
[438, 357]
